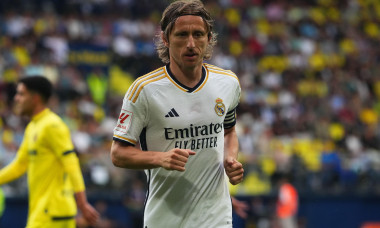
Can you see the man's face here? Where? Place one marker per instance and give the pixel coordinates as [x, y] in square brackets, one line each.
[24, 100]
[188, 41]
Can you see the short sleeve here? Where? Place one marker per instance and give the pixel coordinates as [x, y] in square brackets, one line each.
[230, 119]
[61, 144]
[237, 95]
[59, 138]
[132, 120]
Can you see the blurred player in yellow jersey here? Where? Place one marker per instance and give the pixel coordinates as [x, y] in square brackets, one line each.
[55, 181]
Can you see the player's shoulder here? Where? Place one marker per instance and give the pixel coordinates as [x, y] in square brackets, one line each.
[142, 82]
[220, 72]
[151, 76]
[52, 121]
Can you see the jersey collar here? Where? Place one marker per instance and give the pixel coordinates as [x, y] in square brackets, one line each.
[40, 115]
[187, 89]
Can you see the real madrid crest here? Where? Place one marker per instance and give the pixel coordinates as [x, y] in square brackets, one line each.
[219, 107]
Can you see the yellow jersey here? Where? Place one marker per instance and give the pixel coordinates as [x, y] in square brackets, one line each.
[47, 155]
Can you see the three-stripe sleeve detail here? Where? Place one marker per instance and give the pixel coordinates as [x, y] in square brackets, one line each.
[218, 70]
[230, 119]
[136, 88]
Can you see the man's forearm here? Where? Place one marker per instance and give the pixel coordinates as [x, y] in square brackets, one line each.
[133, 158]
[231, 143]
[81, 199]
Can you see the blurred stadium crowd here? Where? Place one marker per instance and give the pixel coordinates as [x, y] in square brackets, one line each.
[309, 71]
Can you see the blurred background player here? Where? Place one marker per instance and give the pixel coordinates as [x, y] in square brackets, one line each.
[47, 155]
[287, 203]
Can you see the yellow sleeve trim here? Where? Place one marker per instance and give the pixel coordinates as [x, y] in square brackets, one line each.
[225, 73]
[219, 70]
[137, 84]
[144, 84]
[138, 79]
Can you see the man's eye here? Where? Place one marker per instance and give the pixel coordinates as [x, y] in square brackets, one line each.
[198, 34]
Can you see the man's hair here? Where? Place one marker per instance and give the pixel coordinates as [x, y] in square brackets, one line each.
[39, 85]
[169, 17]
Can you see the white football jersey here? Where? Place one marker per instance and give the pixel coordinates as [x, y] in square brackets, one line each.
[161, 113]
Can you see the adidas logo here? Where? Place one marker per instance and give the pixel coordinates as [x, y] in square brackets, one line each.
[172, 113]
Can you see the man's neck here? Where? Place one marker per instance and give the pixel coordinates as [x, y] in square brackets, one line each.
[187, 76]
[38, 109]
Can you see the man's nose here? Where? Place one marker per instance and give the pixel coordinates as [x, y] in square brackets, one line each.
[190, 42]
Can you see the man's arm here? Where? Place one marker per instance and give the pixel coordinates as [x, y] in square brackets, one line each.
[12, 171]
[128, 156]
[234, 169]
[89, 213]
[16, 168]
[72, 167]
[231, 143]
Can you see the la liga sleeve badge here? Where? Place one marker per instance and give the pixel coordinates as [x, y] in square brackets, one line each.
[124, 121]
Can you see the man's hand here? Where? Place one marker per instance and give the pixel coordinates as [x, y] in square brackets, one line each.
[175, 159]
[89, 213]
[234, 170]
[240, 207]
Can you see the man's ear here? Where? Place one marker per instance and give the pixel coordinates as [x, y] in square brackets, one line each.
[36, 98]
[166, 42]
